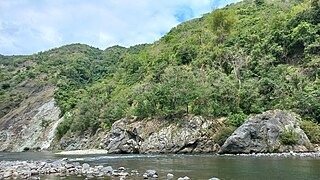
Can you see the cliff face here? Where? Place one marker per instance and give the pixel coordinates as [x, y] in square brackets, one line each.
[32, 124]
[190, 134]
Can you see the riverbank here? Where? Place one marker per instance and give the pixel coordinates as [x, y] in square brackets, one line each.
[63, 168]
[195, 166]
[83, 152]
[288, 154]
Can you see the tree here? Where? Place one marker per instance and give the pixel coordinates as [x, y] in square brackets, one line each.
[221, 23]
[259, 2]
[237, 59]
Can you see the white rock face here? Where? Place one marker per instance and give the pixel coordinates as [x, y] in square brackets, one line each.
[31, 127]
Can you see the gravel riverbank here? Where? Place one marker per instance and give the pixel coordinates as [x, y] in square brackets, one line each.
[64, 167]
[83, 152]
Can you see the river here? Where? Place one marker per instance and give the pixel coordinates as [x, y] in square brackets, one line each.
[202, 166]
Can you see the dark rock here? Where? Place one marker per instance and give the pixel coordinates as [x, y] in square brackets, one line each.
[121, 168]
[69, 166]
[261, 133]
[122, 139]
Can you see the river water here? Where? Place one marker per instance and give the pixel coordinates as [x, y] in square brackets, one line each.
[202, 166]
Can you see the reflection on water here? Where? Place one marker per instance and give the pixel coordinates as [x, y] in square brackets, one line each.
[195, 166]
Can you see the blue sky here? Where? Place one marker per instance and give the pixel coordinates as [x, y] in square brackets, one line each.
[30, 26]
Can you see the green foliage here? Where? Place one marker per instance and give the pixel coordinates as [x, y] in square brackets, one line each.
[259, 2]
[244, 59]
[236, 119]
[289, 137]
[221, 23]
[223, 133]
[312, 130]
[63, 127]
[5, 86]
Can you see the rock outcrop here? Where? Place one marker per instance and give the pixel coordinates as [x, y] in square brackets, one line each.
[32, 125]
[190, 134]
[262, 133]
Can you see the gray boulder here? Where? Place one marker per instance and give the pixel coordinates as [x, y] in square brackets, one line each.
[150, 174]
[262, 133]
[122, 139]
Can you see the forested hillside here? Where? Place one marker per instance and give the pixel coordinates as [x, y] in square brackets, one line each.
[244, 59]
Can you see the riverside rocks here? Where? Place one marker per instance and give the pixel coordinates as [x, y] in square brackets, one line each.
[35, 169]
[192, 134]
[262, 133]
[150, 174]
[62, 168]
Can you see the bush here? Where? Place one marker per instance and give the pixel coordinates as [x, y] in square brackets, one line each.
[312, 130]
[236, 119]
[222, 135]
[5, 86]
[63, 127]
[289, 137]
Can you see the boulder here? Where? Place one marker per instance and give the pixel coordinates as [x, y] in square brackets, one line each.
[184, 178]
[150, 174]
[170, 176]
[262, 133]
[122, 139]
[85, 166]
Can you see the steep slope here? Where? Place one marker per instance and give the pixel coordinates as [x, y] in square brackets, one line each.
[35, 88]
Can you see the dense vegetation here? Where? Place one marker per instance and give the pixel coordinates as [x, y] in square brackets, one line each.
[243, 59]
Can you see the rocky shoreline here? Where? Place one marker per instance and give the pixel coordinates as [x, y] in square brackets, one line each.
[278, 155]
[83, 152]
[61, 168]
[64, 167]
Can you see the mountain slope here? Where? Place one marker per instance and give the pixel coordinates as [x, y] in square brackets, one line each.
[244, 59]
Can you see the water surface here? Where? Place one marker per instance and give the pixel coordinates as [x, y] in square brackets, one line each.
[202, 166]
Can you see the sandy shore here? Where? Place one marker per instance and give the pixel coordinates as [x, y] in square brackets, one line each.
[83, 152]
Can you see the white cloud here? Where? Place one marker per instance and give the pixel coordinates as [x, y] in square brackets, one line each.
[29, 26]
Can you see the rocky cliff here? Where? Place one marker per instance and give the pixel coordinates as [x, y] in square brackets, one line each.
[190, 134]
[32, 124]
[272, 131]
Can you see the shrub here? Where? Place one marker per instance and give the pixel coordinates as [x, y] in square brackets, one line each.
[6, 86]
[289, 137]
[236, 119]
[222, 135]
[312, 130]
[63, 127]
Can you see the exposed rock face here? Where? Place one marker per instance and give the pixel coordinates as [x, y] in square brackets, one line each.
[123, 138]
[262, 132]
[191, 134]
[32, 125]
[81, 141]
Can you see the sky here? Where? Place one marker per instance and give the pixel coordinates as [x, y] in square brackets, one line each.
[31, 26]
